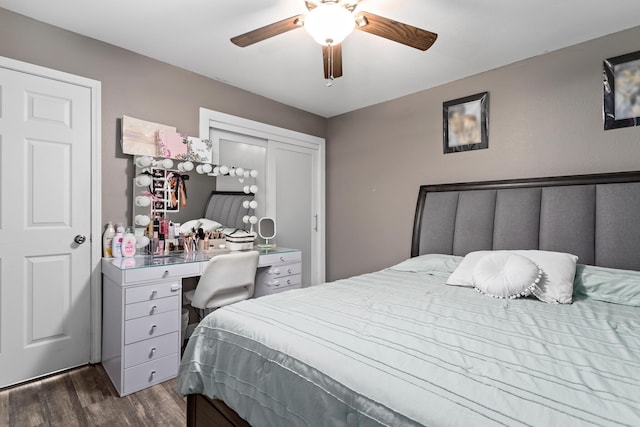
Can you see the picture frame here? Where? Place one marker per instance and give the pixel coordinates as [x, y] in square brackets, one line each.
[466, 123]
[621, 90]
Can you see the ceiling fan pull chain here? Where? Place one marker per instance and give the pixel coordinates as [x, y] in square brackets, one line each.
[330, 66]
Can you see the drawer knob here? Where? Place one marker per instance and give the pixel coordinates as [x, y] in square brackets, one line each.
[153, 309]
[276, 271]
[288, 281]
[153, 329]
[276, 283]
[282, 258]
[152, 352]
[153, 374]
[166, 273]
[175, 288]
[154, 294]
[289, 270]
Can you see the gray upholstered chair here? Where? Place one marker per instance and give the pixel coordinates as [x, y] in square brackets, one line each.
[226, 279]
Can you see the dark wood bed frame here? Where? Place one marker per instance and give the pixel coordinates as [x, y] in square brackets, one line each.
[202, 411]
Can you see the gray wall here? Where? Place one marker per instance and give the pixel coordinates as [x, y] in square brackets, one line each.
[545, 120]
[140, 87]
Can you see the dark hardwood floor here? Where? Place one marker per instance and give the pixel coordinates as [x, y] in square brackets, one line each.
[86, 397]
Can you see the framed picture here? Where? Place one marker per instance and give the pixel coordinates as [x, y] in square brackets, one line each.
[466, 123]
[621, 105]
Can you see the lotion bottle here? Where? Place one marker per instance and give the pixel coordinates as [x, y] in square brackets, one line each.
[107, 238]
[129, 244]
[116, 244]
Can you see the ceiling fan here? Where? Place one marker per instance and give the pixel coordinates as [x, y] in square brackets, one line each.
[329, 22]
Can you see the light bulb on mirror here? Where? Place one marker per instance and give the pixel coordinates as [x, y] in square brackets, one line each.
[142, 220]
[232, 171]
[253, 204]
[143, 201]
[166, 163]
[216, 171]
[143, 180]
[187, 166]
[245, 219]
[144, 161]
[245, 204]
[207, 168]
[253, 189]
[253, 219]
[199, 169]
[224, 170]
[246, 174]
[253, 173]
[141, 241]
[246, 189]
[239, 172]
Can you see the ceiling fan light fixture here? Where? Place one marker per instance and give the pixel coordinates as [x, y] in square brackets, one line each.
[329, 23]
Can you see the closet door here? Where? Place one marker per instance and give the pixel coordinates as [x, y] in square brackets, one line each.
[294, 192]
[45, 225]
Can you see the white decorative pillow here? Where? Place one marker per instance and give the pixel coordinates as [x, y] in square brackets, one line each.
[558, 269]
[506, 275]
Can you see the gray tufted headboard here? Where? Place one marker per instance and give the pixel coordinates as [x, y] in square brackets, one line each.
[596, 217]
[226, 208]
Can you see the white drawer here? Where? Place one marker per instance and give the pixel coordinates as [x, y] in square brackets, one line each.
[161, 272]
[149, 308]
[274, 285]
[284, 270]
[152, 292]
[154, 372]
[151, 326]
[153, 349]
[273, 259]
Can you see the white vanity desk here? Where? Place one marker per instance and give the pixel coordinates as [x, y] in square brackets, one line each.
[141, 306]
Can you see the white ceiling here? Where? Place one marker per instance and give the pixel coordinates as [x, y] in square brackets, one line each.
[473, 36]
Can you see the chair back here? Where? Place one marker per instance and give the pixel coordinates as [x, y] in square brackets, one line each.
[226, 279]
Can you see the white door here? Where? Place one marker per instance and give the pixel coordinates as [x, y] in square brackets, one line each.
[45, 202]
[293, 177]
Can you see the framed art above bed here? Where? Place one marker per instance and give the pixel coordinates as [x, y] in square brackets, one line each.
[466, 123]
[621, 105]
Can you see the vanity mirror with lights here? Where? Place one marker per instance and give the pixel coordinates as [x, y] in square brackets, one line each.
[174, 176]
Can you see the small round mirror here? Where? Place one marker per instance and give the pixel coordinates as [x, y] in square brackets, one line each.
[267, 230]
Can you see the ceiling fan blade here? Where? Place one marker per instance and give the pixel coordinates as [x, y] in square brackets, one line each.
[396, 31]
[335, 64]
[268, 31]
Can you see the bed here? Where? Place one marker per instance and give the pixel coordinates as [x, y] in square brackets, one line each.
[401, 347]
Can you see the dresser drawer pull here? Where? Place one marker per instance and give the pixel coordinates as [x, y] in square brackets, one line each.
[288, 281]
[153, 294]
[153, 374]
[289, 270]
[153, 309]
[282, 258]
[165, 274]
[175, 288]
[152, 352]
[153, 329]
[276, 271]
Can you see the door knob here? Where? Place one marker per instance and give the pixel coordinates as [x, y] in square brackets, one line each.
[80, 239]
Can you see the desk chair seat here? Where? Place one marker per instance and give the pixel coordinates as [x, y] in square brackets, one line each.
[226, 279]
